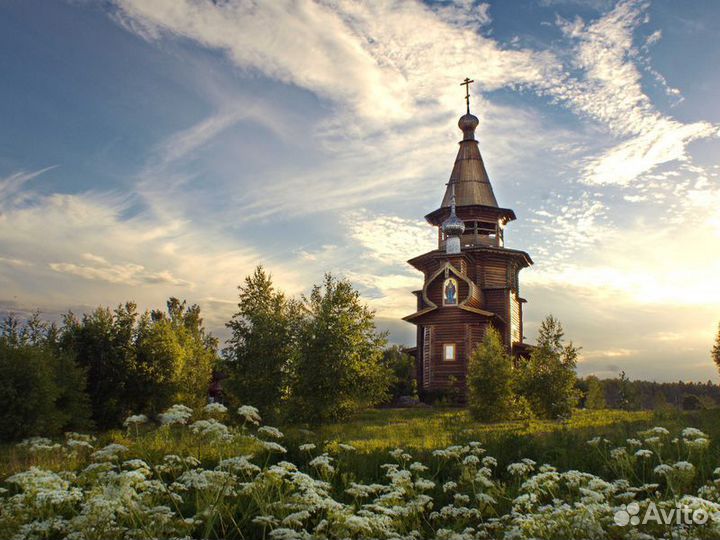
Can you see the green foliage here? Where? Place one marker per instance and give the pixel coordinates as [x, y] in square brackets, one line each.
[402, 468]
[595, 397]
[691, 403]
[42, 391]
[28, 392]
[263, 342]
[103, 344]
[490, 380]
[175, 356]
[548, 378]
[338, 368]
[140, 364]
[402, 369]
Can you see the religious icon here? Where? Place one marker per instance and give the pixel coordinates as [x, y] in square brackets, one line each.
[450, 292]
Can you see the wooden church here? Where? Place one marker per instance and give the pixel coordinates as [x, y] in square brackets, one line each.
[471, 279]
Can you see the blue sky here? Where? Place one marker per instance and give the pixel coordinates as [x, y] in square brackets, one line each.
[163, 148]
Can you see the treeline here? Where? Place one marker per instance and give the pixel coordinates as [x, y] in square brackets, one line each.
[93, 371]
[622, 393]
[312, 359]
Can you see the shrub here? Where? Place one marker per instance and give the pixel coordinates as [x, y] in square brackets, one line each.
[140, 363]
[489, 380]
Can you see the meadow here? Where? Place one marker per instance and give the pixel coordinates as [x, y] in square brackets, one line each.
[388, 473]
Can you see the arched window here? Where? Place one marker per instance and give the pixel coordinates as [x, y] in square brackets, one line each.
[450, 292]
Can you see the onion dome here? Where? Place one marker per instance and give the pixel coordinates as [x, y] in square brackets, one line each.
[467, 124]
[453, 225]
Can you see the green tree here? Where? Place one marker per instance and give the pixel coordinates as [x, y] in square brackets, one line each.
[402, 369]
[259, 352]
[29, 393]
[628, 396]
[490, 380]
[103, 343]
[595, 397]
[339, 362]
[195, 348]
[548, 378]
[140, 363]
[716, 349]
[43, 389]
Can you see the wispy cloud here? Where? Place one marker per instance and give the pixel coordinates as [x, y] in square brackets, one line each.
[12, 186]
[609, 90]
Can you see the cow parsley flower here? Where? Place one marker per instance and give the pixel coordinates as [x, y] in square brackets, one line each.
[250, 414]
[215, 408]
[135, 420]
[239, 464]
[272, 447]
[177, 414]
[211, 429]
[109, 453]
[272, 432]
[693, 433]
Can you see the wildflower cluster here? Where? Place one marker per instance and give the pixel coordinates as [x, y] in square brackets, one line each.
[458, 493]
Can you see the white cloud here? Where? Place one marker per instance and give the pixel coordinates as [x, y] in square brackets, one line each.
[11, 187]
[391, 239]
[369, 56]
[609, 90]
[126, 273]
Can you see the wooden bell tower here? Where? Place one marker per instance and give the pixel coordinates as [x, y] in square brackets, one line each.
[471, 279]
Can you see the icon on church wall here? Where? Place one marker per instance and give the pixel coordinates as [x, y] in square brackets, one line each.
[450, 289]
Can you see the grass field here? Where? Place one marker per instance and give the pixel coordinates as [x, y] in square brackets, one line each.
[435, 471]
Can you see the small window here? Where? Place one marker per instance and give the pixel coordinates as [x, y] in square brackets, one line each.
[449, 352]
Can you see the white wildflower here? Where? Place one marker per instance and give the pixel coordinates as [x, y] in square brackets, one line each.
[109, 453]
[215, 408]
[272, 447]
[177, 414]
[250, 414]
[272, 432]
[135, 420]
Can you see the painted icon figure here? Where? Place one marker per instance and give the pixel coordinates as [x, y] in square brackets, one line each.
[450, 292]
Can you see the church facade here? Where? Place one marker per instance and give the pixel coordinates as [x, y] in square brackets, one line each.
[471, 281]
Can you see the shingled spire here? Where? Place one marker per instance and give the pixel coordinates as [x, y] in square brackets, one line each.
[469, 177]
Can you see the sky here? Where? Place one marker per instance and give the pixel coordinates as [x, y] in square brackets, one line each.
[165, 148]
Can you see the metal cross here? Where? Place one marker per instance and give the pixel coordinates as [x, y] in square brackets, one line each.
[466, 83]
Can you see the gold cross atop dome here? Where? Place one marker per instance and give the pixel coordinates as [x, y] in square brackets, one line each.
[466, 83]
